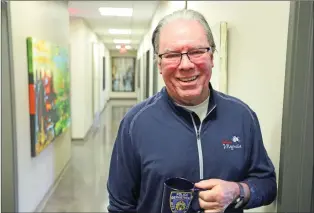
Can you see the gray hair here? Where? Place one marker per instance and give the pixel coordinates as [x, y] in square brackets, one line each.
[184, 14]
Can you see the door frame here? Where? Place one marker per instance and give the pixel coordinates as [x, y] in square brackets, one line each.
[9, 173]
[147, 76]
[295, 187]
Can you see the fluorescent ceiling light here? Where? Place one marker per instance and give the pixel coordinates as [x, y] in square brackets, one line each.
[110, 11]
[121, 41]
[120, 31]
[126, 47]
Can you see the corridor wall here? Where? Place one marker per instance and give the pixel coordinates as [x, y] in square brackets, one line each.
[86, 76]
[47, 20]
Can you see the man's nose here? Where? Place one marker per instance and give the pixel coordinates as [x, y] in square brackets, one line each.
[185, 63]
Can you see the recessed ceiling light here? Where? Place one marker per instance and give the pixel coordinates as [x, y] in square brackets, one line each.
[121, 41]
[110, 11]
[120, 31]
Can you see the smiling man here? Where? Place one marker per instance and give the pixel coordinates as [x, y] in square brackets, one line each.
[189, 130]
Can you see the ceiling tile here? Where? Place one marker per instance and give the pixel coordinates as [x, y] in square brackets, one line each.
[139, 23]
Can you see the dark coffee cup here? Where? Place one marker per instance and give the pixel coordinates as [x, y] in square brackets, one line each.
[180, 196]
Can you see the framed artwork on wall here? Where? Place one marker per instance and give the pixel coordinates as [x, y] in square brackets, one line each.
[138, 71]
[223, 58]
[219, 78]
[104, 73]
[143, 96]
[49, 92]
[123, 74]
[155, 77]
[147, 82]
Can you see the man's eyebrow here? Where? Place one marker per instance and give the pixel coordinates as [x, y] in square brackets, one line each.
[169, 50]
[192, 48]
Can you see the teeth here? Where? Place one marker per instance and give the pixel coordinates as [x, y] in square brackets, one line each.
[188, 79]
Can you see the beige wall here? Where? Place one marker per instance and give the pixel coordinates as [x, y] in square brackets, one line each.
[48, 21]
[88, 97]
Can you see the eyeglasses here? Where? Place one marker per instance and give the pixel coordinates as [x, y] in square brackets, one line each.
[176, 57]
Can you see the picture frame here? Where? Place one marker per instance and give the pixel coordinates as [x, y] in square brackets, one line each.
[123, 74]
[49, 92]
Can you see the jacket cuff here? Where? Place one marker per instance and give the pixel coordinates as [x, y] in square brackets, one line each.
[255, 199]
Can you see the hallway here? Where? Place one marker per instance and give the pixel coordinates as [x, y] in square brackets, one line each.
[82, 187]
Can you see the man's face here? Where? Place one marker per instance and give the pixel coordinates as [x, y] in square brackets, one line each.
[186, 81]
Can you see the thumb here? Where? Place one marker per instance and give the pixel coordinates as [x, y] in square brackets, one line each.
[207, 184]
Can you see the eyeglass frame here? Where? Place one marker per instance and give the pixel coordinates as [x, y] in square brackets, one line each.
[185, 53]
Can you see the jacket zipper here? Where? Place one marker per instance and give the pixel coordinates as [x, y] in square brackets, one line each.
[199, 144]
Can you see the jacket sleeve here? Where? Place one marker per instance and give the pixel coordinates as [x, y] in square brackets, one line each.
[261, 177]
[124, 173]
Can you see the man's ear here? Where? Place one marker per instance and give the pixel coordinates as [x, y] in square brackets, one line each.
[212, 60]
[159, 67]
[157, 60]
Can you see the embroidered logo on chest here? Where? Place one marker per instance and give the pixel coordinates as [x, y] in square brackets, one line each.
[232, 144]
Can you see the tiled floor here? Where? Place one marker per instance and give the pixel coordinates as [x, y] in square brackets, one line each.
[83, 185]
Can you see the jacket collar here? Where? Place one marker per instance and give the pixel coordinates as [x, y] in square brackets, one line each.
[182, 112]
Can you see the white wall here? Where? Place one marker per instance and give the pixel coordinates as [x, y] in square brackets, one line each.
[100, 94]
[164, 8]
[86, 58]
[256, 60]
[48, 21]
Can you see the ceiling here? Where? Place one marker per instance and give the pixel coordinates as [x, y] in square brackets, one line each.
[139, 23]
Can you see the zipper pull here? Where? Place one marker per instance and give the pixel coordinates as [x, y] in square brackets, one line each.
[198, 134]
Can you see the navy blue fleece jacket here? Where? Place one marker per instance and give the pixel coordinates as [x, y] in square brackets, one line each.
[158, 139]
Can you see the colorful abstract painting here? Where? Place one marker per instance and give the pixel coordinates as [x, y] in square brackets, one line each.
[49, 92]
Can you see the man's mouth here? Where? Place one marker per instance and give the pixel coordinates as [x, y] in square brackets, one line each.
[188, 79]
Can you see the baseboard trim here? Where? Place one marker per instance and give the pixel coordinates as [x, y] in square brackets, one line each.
[52, 188]
[123, 98]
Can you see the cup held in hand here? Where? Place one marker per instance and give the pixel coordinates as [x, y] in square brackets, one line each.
[180, 196]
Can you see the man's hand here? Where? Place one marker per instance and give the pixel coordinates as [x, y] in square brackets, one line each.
[218, 194]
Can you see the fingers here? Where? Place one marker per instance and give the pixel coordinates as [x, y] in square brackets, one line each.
[208, 205]
[209, 201]
[207, 184]
[213, 211]
[208, 196]
[216, 195]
